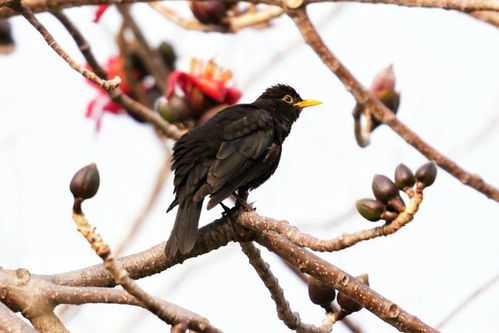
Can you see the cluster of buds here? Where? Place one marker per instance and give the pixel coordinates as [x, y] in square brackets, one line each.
[84, 185]
[323, 294]
[6, 39]
[388, 203]
[132, 71]
[204, 92]
[383, 86]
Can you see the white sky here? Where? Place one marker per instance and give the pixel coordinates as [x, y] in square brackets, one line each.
[447, 71]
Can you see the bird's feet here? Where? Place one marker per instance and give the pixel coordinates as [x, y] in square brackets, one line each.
[242, 203]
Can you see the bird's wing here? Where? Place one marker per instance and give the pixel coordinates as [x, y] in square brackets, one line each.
[244, 142]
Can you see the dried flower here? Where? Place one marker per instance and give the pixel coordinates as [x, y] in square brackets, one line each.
[205, 87]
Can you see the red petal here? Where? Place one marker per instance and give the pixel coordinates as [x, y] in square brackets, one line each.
[99, 12]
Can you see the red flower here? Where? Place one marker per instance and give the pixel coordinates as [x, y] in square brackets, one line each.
[204, 87]
[99, 12]
[102, 103]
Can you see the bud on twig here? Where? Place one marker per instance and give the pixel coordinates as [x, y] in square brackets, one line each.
[320, 293]
[84, 185]
[384, 189]
[427, 173]
[404, 178]
[209, 12]
[168, 54]
[370, 209]
[347, 304]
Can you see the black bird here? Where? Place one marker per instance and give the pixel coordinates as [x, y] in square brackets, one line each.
[236, 150]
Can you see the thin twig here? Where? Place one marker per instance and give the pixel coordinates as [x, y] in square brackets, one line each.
[150, 57]
[380, 112]
[284, 312]
[468, 301]
[111, 86]
[82, 43]
[255, 222]
[163, 174]
[38, 6]
[167, 312]
[105, 84]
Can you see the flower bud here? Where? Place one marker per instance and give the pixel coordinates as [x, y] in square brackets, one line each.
[168, 54]
[404, 177]
[427, 173]
[85, 182]
[174, 110]
[347, 304]
[370, 209]
[383, 188]
[320, 293]
[397, 204]
[6, 40]
[209, 12]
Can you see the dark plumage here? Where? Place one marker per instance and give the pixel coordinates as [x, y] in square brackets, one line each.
[236, 150]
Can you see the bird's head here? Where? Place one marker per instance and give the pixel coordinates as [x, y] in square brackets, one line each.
[284, 102]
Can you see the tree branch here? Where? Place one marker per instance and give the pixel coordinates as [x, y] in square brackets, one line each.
[380, 112]
[311, 264]
[38, 6]
[9, 322]
[284, 312]
[111, 87]
[255, 222]
[167, 312]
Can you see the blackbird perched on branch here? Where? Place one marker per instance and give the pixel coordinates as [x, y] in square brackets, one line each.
[236, 150]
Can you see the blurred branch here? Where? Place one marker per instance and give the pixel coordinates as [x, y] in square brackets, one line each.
[161, 178]
[381, 112]
[467, 301]
[9, 322]
[235, 23]
[81, 42]
[38, 6]
[292, 233]
[111, 86]
[284, 312]
[488, 16]
[168, 312]
[150, 57]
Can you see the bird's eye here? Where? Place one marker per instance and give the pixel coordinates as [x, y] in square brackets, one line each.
[288, 99]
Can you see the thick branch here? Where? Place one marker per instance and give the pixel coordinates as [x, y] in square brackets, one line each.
[311, 264]
[9, 322]
[169, 313]
[382, 113]
[153, 260]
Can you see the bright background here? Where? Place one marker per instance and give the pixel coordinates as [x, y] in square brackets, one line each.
[447, 72]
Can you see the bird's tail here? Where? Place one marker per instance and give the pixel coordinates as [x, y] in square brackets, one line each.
[184, 232]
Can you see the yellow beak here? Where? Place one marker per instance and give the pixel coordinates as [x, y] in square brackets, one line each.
[307, 103]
